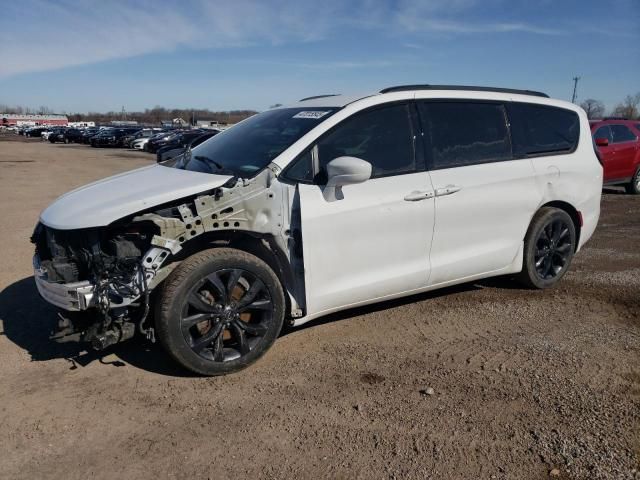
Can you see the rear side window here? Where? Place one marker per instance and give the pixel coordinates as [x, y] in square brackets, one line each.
[604, 132]
[459, 134]
[621, 133]
[540, 129]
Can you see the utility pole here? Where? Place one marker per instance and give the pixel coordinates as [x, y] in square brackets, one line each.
[575, 89]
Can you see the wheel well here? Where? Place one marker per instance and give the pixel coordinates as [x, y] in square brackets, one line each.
[572, 212]
[262, 246]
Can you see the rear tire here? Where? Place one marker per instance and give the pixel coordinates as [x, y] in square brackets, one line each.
[549, 246]
[219, 311]
[634, 187]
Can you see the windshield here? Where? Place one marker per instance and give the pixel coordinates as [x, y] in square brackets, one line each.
[245, 149]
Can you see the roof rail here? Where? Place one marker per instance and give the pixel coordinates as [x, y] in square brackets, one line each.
[319, 96]
[404, 88]
[615, 118]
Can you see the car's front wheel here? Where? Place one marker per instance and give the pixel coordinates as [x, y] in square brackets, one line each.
[219, 311]
[549, 246]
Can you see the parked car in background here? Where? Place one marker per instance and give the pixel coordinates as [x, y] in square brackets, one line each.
[159, 141]
[87, 134]
[44, 135]
[111, 137]
[168, 152]
[34, 131]
[144, 133]
[324, 205]
[179, 140]
[57, 135]
[142, 143]
[618, 144]
[72, 135]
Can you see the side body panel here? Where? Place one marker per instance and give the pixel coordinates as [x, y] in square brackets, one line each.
[479, 228]
[575, 179]
[625, 153]
[348, 260]
[370, 244]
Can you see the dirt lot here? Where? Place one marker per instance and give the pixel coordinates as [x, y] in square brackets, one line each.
[525, 384]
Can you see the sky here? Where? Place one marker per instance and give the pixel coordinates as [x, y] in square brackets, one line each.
[80, 55]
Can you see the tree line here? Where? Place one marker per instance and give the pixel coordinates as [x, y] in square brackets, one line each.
[628, 108]
[148, 116]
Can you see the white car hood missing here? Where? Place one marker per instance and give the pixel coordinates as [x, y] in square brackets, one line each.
[105, 201]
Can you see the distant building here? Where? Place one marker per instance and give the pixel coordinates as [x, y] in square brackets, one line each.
[213, 124]
[81, 124]
[9, 119]
[176, 122]
[124, 123]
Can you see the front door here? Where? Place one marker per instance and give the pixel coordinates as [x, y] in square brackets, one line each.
[374, 241]
[625, 149]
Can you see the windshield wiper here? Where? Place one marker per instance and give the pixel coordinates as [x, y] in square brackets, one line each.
[210, 160]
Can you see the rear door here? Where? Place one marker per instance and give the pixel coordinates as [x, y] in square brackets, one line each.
[484, 197]
[607, 154]
[374, 242]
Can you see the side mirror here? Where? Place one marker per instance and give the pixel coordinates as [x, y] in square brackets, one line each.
[602, 142]
[344, 171]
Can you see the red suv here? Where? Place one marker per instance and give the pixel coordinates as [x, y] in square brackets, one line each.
[618, 142]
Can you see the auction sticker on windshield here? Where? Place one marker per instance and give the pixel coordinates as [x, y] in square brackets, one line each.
[310, 114]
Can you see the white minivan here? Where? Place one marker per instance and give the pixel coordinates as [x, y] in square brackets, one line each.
[320, 206]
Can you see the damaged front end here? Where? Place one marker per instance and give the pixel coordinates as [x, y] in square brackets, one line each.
[102, 277]
[97, 277]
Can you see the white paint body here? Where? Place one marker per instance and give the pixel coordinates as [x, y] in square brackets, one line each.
[100, 203]
[372, 244]
[139, 143]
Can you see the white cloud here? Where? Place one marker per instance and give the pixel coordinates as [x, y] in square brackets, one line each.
[39, 35]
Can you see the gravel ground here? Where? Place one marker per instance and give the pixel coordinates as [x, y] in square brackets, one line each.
[484, 380]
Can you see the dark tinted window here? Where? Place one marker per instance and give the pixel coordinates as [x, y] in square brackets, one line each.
[621, 133]
[301, 169]
[603, 132]
[537, 129]
[382, 137]
[459, 133]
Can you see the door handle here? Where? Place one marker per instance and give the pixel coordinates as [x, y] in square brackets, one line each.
[416, 196]
[448, 190]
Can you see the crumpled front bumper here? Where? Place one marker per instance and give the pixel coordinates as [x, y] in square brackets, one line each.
[74, 296]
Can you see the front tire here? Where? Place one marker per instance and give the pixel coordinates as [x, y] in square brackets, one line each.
[634, 187]
[219, 311]
[549, 246]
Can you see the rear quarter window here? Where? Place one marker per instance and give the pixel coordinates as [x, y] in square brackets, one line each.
[542, 129]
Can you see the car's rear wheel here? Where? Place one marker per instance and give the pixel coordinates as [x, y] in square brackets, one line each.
[634, 186]
[219, 311]
[549, 246]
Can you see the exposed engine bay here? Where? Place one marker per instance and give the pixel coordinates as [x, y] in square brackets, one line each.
[102, 277]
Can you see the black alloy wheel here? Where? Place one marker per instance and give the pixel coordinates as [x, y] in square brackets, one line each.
[226, 314]
[219, 311]
[553, 249]
[549, 246]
